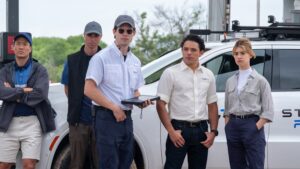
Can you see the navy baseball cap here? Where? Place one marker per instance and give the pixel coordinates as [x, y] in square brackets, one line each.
[25, 35]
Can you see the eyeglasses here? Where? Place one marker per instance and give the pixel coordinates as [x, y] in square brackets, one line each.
[129, 31]
[22, 44]
[93, 35]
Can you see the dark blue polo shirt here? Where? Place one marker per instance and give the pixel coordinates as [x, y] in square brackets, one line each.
[21, 76]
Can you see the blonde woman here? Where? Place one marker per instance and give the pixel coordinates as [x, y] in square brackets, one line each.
[248, 107]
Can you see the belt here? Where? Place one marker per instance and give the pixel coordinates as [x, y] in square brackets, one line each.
[247, 116]
[127, 112]
[189, 123]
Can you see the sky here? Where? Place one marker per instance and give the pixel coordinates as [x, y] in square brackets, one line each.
[63, 18]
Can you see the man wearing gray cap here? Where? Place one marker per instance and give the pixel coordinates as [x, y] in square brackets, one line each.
[115, 74]
[81, 135]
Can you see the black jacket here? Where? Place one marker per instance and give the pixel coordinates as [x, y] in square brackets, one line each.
[77, 63]
[38, 98]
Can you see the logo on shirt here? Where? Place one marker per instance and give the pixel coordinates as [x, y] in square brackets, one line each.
[21, 85]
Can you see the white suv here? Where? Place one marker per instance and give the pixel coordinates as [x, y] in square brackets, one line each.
[278, 61]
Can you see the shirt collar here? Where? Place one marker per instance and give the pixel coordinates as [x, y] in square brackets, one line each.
[117, 50]
[253, 74]
[29, 61]
[183, 66]
[115, 47]
[82, 50]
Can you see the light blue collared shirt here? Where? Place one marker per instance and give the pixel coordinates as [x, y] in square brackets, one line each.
[116, 78]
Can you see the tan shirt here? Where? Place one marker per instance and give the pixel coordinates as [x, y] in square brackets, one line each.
[187, 93]
[254, 98]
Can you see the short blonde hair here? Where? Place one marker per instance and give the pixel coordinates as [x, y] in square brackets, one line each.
[245, 44]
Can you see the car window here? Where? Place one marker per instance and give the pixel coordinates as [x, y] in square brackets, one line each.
[156, 75]
[287, 70]
[223, 66]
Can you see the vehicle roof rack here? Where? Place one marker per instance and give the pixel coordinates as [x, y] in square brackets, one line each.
[275, 31]
[209, 32]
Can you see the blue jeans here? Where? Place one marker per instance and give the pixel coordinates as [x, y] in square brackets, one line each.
[197, 153]
[114, 140]
[246, 144]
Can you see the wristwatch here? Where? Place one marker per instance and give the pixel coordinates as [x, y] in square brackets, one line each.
[215, 131]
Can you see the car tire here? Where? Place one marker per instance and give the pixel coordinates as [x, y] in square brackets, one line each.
[63, 159]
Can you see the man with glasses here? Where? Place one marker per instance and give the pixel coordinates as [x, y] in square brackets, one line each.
[81, 133]
[115, 74]
[24, 87]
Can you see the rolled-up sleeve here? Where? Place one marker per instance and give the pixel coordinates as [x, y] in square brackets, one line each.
[266, 101]
[95, 70]
[165, 86]
[226, 104]
[211, 92]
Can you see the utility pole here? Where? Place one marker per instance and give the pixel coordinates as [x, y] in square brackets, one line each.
[257, 12]
[12, 28]
[12, 15]
[218, 17]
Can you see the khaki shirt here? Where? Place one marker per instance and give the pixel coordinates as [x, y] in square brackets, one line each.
[187, 93]
[254, 98]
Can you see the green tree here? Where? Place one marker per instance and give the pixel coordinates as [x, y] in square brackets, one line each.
[52, 52]
[167, 30]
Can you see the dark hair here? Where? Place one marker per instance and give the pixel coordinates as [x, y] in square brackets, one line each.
[194, 38]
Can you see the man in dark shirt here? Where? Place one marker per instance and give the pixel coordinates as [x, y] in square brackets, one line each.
[81, 136]
[24, 87]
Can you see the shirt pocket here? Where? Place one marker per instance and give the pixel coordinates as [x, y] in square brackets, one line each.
[251, 95]
[231, 91]
[204, 82]
[134, 71]
[203, 86]
[231, 88]
[113, 75]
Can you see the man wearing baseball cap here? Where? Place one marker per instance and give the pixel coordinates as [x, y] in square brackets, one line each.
[81, 133]
[115, 74]
[24, 86]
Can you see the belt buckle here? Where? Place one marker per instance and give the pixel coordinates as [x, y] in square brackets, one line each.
[191, 124]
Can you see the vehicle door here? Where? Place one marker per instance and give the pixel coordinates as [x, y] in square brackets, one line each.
[222, 64]
[284, 138]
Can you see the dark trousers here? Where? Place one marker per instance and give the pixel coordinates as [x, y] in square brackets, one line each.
[114, 140]
[246, 144]
[83, 147]
[197, 153]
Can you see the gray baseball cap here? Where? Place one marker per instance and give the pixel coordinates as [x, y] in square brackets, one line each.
[93, 27]
[121, 19]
